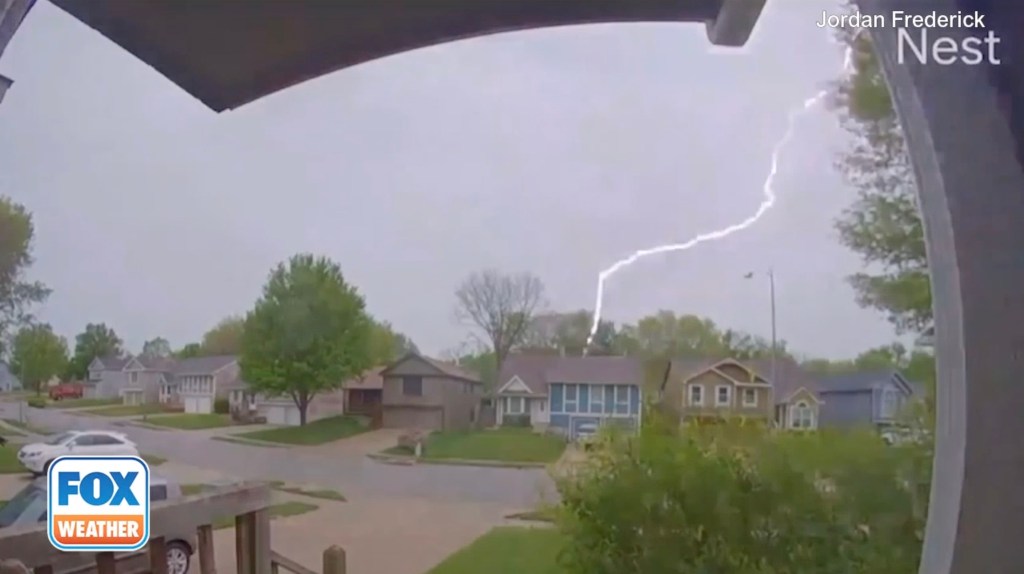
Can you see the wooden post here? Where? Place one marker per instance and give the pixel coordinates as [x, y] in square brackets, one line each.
[261, 541]
[334, 560]
[243, 544]
[157, 551]
[105, 563]
[204, 539]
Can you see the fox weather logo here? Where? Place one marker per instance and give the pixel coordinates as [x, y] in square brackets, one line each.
[98, 503]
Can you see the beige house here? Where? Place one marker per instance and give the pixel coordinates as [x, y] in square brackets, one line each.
[427, 394]
[727, 388]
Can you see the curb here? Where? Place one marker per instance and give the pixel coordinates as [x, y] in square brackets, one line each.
[410, 460]
[247, 442]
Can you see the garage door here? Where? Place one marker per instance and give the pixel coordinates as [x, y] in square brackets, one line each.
[191, 404]
[421, 419]
[282, 415]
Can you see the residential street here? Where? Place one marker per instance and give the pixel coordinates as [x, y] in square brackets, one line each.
[349, 472]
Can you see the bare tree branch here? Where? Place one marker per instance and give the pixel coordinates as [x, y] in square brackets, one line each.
[501, 306]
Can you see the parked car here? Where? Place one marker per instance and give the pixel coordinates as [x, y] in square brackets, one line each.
[29, 507]
[36, 457]
[66, 391]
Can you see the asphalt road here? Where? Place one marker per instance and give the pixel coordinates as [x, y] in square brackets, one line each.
[351, 474]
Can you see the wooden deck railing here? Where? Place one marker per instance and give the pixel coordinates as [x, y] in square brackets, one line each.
[191, 517]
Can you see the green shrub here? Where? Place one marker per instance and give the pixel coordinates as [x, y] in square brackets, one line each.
[221, 406]
[742, 500]
[517, 421]
[36, 402]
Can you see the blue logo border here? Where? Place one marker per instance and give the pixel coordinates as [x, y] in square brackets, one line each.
[95, 548]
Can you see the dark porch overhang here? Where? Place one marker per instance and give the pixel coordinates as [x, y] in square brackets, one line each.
[228, 53]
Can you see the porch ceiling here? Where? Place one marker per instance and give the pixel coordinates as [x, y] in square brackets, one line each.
[228, 53]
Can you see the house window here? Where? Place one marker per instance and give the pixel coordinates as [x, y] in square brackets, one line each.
[723, 395]
[570, 398]
[802, 416]
[890, 403]
[412, 386]
[514, 405]
[596, 399]
[621, 398]
[541, 404]
[750, 397]
[696, 395]
[133, 377]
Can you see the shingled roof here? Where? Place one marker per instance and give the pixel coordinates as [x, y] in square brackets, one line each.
[538, 371]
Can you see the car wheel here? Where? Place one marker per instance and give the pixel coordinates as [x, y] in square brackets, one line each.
[179, 555]
[46, 467]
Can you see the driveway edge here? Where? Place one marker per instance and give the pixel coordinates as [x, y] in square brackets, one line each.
[410, 460]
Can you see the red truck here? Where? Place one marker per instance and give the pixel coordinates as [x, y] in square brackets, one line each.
[66, 391]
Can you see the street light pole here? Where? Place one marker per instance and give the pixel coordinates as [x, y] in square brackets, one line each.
[775, 346]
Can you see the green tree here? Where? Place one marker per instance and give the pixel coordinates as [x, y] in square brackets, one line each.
[387, 345]
[97, 340]
[189, 351]
[37, 355]
[665, 335]
[225, 338]
[17, 293]
[158, 347]
[567, 333]
[884, 224]
[308, 333]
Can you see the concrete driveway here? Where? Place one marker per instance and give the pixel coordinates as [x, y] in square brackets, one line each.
[347, 470]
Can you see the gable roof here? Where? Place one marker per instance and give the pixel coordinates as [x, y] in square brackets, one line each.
[371, 380]
[444, 368]
[863, 381]
[538, 371]
[203, 365]
[111, 362]
[790, 376]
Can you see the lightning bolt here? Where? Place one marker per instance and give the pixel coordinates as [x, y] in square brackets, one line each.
[767, 203]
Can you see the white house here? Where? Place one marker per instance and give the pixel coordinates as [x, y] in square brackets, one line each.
[201, 381]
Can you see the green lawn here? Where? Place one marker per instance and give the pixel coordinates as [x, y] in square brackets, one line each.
[9, 460]
[507, 550]
[191, 421]
[316, 432]
[127, 410]
[79, 403]
[325, 493]
[153, 460]
[505, 445]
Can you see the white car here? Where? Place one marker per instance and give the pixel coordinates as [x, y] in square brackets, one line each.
[36, 457]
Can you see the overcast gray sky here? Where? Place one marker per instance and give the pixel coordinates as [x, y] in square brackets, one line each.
[552, 151]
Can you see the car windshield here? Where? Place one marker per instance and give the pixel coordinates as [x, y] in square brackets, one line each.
[21, 502]
[59, 439]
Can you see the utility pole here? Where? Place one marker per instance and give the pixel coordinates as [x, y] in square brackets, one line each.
[775, 346]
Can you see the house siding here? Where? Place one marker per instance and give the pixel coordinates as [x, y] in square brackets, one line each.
[677, 392]
[847, 409]
[458, 408]
[594, 405]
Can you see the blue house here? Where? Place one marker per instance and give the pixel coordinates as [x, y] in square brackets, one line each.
[572, 396]
[8, 382]
[864, 399]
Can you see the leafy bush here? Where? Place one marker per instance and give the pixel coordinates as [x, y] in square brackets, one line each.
[517, 421]
[36, 402]
[221, 406]
[743, 500]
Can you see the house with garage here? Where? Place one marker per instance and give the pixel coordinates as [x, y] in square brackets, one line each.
[106, 377]
[717, 389]
[421, 393]
[200, 381]
[572, 396]
[8, 380]
[149, 380]
[865, 399]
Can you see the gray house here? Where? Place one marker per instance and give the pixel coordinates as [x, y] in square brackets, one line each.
[864, 399]
[106, 377]
[148, 380]
[426, 394]
[8, 381]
